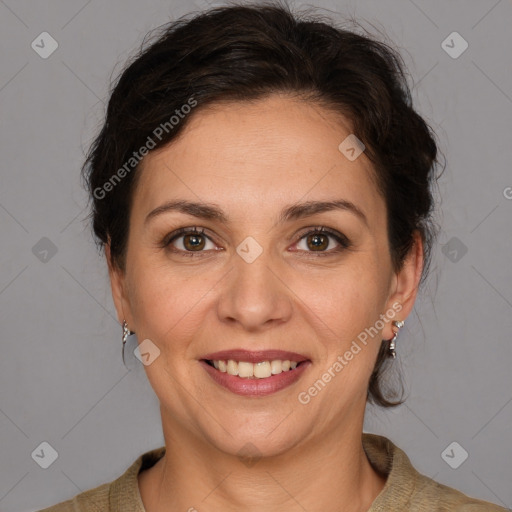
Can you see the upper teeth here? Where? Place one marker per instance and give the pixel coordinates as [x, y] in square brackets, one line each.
[259, 370]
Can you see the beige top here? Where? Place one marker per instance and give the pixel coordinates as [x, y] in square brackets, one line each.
[405, 488]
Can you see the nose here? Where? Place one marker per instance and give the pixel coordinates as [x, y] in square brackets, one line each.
[254, 295]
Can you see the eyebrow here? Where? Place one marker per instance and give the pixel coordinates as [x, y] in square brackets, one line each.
[295, 211]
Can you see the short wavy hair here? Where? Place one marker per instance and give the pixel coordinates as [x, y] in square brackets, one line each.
[246, 52]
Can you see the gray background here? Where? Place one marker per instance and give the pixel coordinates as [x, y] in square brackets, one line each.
[61, 375]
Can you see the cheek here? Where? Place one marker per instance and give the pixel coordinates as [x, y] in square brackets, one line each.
[169, 304]
[348, 297]
[350, 305]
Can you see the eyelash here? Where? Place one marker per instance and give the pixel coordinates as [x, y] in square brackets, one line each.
[341, 239]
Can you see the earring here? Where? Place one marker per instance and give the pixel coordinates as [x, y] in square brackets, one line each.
[126, 332]
[391, 350]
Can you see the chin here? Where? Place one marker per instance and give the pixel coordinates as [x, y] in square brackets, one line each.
[249, 442]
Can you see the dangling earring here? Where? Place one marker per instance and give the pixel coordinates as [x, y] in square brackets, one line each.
[391, 349]
[126, 333]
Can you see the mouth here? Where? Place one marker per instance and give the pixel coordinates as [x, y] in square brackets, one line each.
[255, 374]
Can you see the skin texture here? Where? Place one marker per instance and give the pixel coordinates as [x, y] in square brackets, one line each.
[252, 160]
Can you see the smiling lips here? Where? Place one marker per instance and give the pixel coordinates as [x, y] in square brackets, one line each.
[255, 373]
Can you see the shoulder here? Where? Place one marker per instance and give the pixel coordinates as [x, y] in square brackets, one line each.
[120, 495]
[408, 490]
[433, 496]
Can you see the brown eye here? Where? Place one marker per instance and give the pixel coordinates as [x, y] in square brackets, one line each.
[193, 242]
[318, 241]
[188, 240]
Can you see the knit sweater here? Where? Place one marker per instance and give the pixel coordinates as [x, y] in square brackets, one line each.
[406, 490]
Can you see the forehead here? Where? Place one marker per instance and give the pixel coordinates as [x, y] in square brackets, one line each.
[253, 155]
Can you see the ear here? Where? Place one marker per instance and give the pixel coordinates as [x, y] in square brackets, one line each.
[406, 283]
[118, 286]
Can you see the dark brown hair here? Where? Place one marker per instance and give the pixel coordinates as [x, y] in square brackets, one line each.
[246, 52]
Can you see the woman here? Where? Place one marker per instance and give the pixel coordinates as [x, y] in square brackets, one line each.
[262, 188]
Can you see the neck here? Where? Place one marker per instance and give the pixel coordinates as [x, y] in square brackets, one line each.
[328, 474]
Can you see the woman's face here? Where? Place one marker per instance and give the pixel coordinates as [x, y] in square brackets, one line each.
[254, 280]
